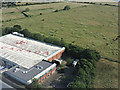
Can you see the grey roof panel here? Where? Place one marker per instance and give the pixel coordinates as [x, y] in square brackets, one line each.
[31, 72]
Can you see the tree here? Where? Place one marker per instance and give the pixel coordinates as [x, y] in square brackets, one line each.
[77, 84]
[17, 26]
[27, 4]
[62, 42]
[37, 36]
[56, 42]
[81, 72]
[86, 62]
[62, 65]
[63, 77]
[91, 54]
[9, 4]
[15, 29]
[40, 13]
[67, 7]
[35, 84]
[8, 30]
[26, 33]
[81, 75]
[27, 10]
[90, 65]
[89, 81]
[69, 61]
[56, 11]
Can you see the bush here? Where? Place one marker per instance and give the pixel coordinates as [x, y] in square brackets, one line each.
[17, 26]
[26, 10]
[63, 78]
[86, 73]
[6, 30]
[61, 71]
[91, 54]
[62, 65]
[67, 7]
[56, 11]
[35, 84]
[77, 84]
[27, 4]
[26, 33]
[40, 13]
[84, 6]
[69, 61]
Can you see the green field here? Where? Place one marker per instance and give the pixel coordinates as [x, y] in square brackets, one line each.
[90, 26]
[107, 76]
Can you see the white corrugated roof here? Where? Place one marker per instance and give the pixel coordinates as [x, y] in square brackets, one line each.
[23, 51]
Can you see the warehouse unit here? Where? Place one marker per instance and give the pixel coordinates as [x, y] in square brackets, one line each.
[20, 57]
[40, 71]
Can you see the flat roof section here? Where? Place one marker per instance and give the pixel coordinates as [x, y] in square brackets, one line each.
[30, 72]
[24, 51]
[41, 48]
[24, 58]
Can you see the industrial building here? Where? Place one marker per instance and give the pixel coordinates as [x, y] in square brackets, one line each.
[25, 59]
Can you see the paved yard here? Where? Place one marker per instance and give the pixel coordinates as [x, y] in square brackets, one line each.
[57, 80]
[4, 85]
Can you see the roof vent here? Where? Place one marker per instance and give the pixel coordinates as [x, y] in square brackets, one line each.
[24, 71]
[15, 70]
[38, 67]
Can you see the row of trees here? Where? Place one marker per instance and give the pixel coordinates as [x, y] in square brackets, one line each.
[26, 10]
[67, 7]
[14, 4]
[73, 51]
[86, 72]
[98, 3]
[86, 67]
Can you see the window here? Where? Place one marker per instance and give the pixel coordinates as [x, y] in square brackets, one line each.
[42, 75]
[48, 75]
[53, 71]
[43, 79]
[49, 70]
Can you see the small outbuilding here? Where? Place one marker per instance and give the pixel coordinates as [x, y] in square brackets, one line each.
[75, 62]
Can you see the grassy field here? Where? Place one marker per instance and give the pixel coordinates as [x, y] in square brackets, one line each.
[107, 76]
[90, 26]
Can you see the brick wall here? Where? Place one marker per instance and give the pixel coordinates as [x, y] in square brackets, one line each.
[57, 56]
[46, 75]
